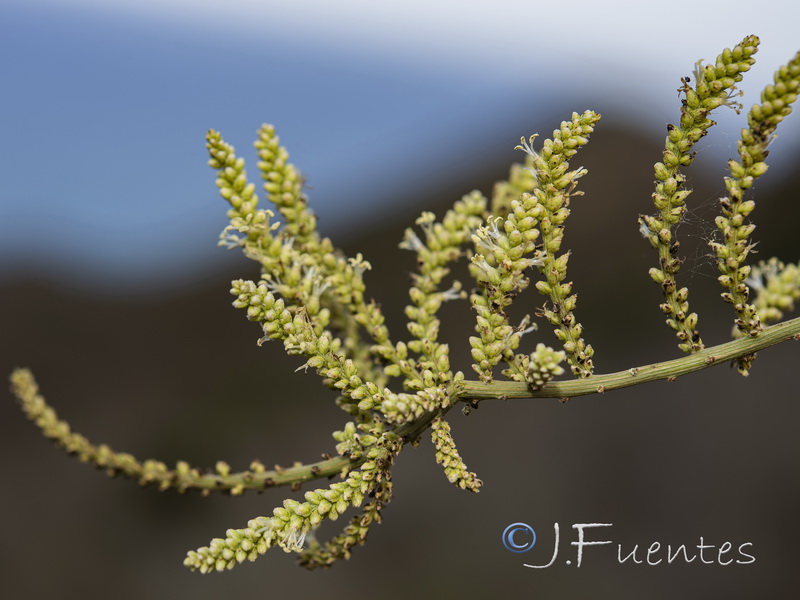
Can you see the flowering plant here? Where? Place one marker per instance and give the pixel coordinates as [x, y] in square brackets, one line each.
[313, 299]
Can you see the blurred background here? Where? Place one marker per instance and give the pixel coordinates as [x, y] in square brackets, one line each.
[114, 292]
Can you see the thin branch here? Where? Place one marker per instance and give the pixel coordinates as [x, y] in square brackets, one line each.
[476, 390]
[153, 472]
[156, 473]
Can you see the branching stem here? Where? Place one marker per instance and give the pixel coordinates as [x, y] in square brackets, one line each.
[669, 370]
[476, 390]
[470, 392]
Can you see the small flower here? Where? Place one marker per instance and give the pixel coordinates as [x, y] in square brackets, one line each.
[644, 230]
[293, 540]
[527, 146]
[261, 526]
[426, 218]
[756, 280]
[536, 261]
[699, 72]
[288, 244]
[525, 326]
[273, 283]
[318, 283]
[491, 274]
[487, 236]
[426, 221]
[411, 241]
[454, 293]
[728, 100]
[359, 264]
[543, 365]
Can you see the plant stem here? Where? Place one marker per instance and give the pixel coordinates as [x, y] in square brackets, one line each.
[477, 390]
[471, 392]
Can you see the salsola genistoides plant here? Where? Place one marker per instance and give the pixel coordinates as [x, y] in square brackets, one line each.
[313, 299]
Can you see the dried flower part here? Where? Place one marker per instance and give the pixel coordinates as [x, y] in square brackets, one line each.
[447, 455]
[715, 86]
[734, 224]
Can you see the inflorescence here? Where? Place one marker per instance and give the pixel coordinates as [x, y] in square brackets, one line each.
[312, 298]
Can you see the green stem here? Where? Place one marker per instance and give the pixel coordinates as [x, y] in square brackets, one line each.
[471, 391]
[477, 390]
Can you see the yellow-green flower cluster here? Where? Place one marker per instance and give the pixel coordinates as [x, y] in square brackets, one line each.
[292, 522]
[762, 120]
[263, 307]
[231, 177]
[284, 187]
[355, 439]
[507, 245]
[447, 455]
[306, 271]
[301, 337]
[714, 87]
[312, 298]
[542, 365]
[244, 214]
[555, 185]
[296, 262]
[182, 478]
[520, 180]
[113, 463]
[443, 245]
[239, 545]
[498, 265]
[777, 289]
[354, 534]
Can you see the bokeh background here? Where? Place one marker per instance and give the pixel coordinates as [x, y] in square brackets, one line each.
[113, 290]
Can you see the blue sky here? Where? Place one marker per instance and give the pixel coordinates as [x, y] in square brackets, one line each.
[106, 103]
